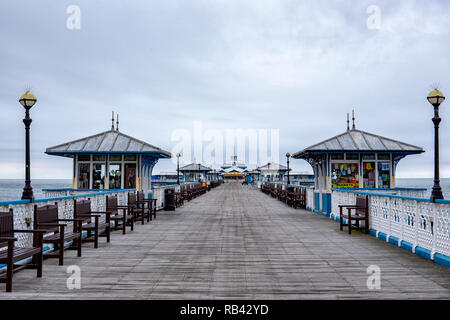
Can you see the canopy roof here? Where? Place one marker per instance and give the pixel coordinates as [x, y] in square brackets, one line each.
[195, 167]
[359, 141]
[272, 166]
[108, 142]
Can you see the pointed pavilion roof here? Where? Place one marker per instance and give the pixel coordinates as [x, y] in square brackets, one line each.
[195, 167]
[272, 166]
[108, 142]
[359, 141]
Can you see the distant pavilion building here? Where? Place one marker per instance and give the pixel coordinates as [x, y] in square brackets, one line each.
[272, 171]
[234, 169]
[354, 159]
[195, 172]
[300, 178]
[111, 160]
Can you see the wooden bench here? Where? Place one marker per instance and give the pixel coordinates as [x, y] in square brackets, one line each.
[13, 253]
[82, 210]
[126, 216]
[179, 197]
[296, 198]
[46, 218]
[151, 206]
[281, 194]
[361, 214]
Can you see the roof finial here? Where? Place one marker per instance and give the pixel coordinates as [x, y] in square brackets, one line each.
[117, 123]
[348, 122]
[353, 118]
[112, 120]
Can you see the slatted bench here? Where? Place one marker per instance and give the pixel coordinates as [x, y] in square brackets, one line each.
[119, 213]
[46, 218]
[13, 253]
[361, 213]
[82, 210]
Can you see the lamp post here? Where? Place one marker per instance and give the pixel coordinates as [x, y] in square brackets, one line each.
[435, 97]
[27, 100]
[178, 168]
[288, 155]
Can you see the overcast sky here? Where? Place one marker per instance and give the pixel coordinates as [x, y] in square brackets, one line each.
[293, 65]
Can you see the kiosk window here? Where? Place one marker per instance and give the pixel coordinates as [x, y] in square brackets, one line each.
[83, 175]
[98, 176]
[384, 175]
[369, 174]
[115, 174]
[130, 176]
[345, 175]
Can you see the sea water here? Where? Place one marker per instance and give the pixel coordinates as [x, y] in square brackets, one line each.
[11, 189]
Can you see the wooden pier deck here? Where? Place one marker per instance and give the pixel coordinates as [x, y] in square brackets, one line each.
[236, 242]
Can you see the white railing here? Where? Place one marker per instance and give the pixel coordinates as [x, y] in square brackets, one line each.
[23, 212]
[158, 194]
[414, 220]
[310, 198]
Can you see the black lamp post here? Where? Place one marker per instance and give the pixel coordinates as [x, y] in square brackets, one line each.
[178, 168]
[288, 155]
[435, 97]
[27, 100]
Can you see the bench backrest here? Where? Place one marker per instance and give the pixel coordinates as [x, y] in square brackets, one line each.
[131, 198]
[6, 226]
[111, 203]
[361, 204]
[46, 214]
[82, 209]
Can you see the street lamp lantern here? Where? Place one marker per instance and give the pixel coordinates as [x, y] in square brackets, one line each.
[27, 100]
[288, 155]
[436, 97]
[178, 168]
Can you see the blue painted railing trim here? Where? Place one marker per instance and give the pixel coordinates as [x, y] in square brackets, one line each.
[382, 195]
[81, 195]
[442, 201]
[384, 189]
[87, 190]
[290, 185]
[6, 203]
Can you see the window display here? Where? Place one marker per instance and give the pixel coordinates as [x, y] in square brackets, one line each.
[369, 174]
[130, 176]
[98, 176]
[115, 173]
[384, 175]
[345, 175]
[83, 175]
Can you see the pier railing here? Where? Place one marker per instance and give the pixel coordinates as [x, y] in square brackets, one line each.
[23, 209]
[416, 224]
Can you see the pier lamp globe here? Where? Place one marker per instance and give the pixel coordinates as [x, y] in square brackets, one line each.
[288, 155]
[435, 98]
[27, 100]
